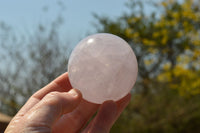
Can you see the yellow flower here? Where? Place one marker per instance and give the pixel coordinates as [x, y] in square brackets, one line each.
[148, 62]
[180, 34]
[175, 15]
[166, 66]
[128, 32]
[164, 4]
[196, 42]
[173, 22]
[165, 77]
[164, 32]
[164, 40]
[156, 34]
[136, 34]
[148, 42]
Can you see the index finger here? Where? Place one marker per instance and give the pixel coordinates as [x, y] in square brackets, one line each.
[60, 84]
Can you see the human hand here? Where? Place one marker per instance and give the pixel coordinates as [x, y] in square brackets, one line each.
[58, 108]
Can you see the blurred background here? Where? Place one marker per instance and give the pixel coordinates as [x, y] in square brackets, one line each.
[37, 37]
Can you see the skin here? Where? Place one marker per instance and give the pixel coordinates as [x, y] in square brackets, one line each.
[58, 108]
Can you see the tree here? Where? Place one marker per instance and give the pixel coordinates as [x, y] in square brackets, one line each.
[167, 45]
[29, 62]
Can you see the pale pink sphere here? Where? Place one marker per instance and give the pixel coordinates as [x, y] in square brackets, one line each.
[103, 67]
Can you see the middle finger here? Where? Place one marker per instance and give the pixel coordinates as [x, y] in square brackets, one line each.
[74, 121]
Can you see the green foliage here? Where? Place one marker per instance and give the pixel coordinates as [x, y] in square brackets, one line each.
[164, 111]
[167, 45]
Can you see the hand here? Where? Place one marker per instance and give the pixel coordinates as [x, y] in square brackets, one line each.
[58, 108]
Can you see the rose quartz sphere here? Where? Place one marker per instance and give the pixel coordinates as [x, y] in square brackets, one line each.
[103, 67]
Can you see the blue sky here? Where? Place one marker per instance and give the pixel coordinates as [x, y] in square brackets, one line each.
[24, 15]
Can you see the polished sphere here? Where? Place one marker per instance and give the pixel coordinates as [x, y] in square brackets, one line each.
[103, 67]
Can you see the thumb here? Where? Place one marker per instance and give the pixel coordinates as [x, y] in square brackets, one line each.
[51, 108]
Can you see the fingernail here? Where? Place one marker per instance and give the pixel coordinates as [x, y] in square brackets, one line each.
[73, 92]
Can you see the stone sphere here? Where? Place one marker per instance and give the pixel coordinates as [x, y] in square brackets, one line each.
[103, 67]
